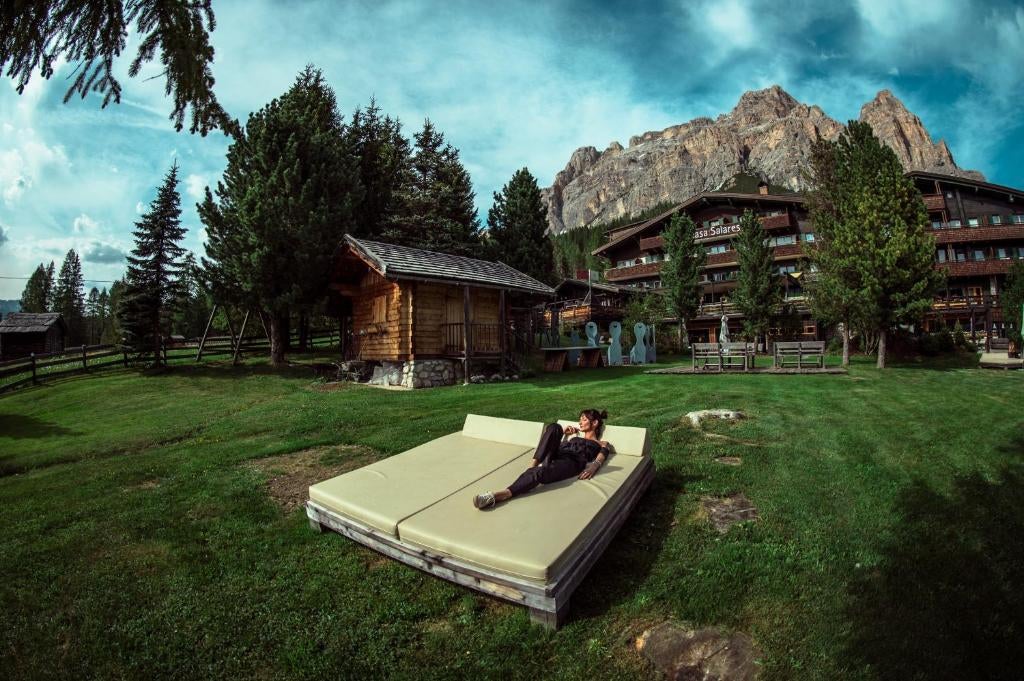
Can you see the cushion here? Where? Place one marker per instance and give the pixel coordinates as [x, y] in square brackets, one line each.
[384, 493]
[531, 536]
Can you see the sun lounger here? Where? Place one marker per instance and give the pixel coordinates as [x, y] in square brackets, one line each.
[534, 550]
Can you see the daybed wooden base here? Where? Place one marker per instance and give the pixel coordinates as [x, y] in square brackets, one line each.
[548, 602]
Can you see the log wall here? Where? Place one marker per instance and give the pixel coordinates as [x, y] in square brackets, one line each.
[439, 304]
[388, 338]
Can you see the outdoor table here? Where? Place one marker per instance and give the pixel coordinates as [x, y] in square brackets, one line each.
[557, 359]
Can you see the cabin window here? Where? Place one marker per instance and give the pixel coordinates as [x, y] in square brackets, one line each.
[810, 329]
[972, 222]
[380, 310]
[995, 219]
[940, 255]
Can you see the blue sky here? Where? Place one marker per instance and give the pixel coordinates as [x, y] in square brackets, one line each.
[511, 85]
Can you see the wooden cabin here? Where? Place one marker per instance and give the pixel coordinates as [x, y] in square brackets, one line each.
[24, 333]
[428, 315]
[579, 301]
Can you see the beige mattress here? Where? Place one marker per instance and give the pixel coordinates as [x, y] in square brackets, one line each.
[423, 497]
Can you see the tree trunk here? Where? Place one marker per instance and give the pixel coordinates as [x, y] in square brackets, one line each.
[881, 348]
[303, 331]
[278, 337]
[846, 344]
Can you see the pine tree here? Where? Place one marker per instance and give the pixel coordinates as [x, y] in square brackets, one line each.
[680, 273]
[437, 209]
[883, 217]
[1012, 302]
[33, 298]
[69, 296]
[103, 309]
[288, 194]
[385, 170]
[154, 268]
[35, 35]
[757, 292]
[112, 333]
[517, 223]
[51, 287]
[92, 316]
[194, 304]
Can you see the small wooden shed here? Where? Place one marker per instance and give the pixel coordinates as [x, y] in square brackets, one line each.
[429, 312]
[23, 333]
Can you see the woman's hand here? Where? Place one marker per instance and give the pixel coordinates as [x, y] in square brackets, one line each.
[571, 430]
[591, 470]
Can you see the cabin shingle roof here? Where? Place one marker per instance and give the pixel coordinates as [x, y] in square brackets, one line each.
[30, 322]
[403, 262]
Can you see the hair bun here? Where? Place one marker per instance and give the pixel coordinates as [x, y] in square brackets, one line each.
[604, 415]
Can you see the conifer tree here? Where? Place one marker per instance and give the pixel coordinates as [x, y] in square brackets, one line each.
[154, 268]
[34, 35]
[51, 286]
[92, 316]
[1012, 302]
[33, 298]
[288, 195]
[516, 225]
[385, 170]
[883, 217]
[69, 296]
[757, 292]
[680, 273]
[112, 333]
[437, 210]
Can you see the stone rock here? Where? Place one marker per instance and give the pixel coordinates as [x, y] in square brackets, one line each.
[768, 133]
[478, 378]
[696, 417]
[496, 378]
[515, 377]
[703, 654]
[724, 512]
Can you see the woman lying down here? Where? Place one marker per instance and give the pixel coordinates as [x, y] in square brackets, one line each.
[557, 459]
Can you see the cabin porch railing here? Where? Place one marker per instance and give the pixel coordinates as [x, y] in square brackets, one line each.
[486, 339]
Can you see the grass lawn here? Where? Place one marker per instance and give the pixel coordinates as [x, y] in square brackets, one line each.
[141, 536]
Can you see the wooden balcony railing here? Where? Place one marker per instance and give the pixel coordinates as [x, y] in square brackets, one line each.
[777, 221]
[934, 202]
[966, 302]
[632, 271]
[986, 233]
[486, 339]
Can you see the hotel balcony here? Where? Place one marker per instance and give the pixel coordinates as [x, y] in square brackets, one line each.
[952, 235]
[965, 302]
[631, 272]
[971, 268]
[934, 202]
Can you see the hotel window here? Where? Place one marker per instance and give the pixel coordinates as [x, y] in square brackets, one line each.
[995, 219]
[940, 255]
[1002, 253]
[1017, 219]
[809, 236]
[954, 223]
[977, 255]
[961, 255]
[718, 248]
[786, 240]
[786, 269]
[937, 224]
[972, 222]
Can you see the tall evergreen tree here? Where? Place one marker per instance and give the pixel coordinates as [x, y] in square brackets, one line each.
[69, 296]
[516, 225]
[112, 333]
[103, 309]
[385, 170]
[35, 35]
[92, 316]
[1012, 301]
[288, 194]
[881, 213]
[680, 273]
[757, 292]
[437, 209]
[194, 304]
[51, 286]
[154, 268]
[33, 298]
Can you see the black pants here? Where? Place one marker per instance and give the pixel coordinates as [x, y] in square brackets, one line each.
[553, 467]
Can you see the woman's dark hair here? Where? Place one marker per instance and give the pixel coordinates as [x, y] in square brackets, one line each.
[595, 415]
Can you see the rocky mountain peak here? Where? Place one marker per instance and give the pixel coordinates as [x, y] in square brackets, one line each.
[768, 133]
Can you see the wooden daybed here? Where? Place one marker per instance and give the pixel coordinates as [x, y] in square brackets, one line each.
[534, 550]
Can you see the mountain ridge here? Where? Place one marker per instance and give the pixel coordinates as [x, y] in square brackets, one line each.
[768, 133]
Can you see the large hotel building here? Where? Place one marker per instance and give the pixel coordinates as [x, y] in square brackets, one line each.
[978, 229]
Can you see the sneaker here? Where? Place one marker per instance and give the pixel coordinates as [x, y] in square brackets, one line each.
[484, 500]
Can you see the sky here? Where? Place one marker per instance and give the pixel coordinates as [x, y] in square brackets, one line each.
[510, 84]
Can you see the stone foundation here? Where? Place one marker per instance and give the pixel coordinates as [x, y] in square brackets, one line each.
[420, 373]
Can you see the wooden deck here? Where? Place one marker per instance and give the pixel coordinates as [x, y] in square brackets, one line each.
[689, 370]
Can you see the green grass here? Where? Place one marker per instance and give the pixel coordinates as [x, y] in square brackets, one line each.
[137, 543]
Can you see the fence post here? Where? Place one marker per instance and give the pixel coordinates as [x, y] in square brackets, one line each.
[33, 355]
[84, 364]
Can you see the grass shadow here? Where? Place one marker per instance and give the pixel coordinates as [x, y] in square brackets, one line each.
[631, 555]
[20, 427]
[945, 601]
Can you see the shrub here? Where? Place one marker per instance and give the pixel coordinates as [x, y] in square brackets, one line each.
[959, 338]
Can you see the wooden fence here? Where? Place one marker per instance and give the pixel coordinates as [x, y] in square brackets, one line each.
[87, 358]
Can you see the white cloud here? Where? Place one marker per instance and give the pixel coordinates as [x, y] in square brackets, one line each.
[731, 23]
[140, 208]
[195, 185]
[84, 224]
[4, 238]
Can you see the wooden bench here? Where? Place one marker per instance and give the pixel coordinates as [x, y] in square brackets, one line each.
[798, 354]
[721, 356]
